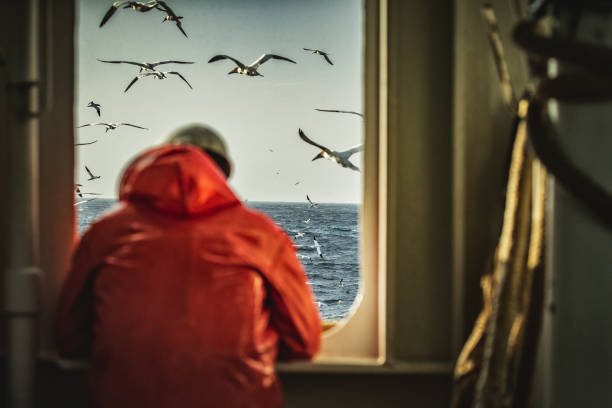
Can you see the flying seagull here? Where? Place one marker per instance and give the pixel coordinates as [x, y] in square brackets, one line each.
[91, 176]
[111, 126]
[342, 158]
[84, 201]
[143, 7]
[94, 105]
[85, 143]
[78, 191]
[296, 183]
[307, 221]
[317, 246]
[249, 70]
[146, 66]
[322, 53]
[339, 111]
[299, 235]
[311, 203]
[171, 16]
[157, 75]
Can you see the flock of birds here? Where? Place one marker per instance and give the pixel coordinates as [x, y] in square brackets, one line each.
[150, 70]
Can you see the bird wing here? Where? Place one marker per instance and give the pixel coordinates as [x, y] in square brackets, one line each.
[327, 58]
[97, 108]
[136, 78]
[125, 62]
[307, 140]
[166, 8]
[101, 123]
[180, 27]
[89, 172]
[349, 152]
[111, 11]
[86, 143]
[222, 57]
[308, 49]
[84, 201]
[266, 57]
[149, 5]
[339, 111]
[179, 75]
[129, 124]
[317, 246]
[308, 198]
[154, 64]
[87, 124]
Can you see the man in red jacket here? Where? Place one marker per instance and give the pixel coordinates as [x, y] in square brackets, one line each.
[182, 296]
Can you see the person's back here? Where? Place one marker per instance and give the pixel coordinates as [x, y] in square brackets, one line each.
[183, 296]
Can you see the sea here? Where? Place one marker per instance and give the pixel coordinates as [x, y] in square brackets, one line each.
[334, 277]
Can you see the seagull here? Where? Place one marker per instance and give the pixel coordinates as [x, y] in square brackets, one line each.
[249, 70]
[91, 176]
[304, 257]
[111, 126]
[78, 191]
[311, 203]
[146, 66]
[317, 246]
[340, 111]
[299, 235]
[341, 283]
[307, 221]
[94, 105]
[296, 183]
[84, 201]
[85, 143]
[171, 16]
[342, 158]
[134, 5]
[322, 53]
[158, 75]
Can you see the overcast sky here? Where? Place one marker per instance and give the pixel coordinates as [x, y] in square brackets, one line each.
[254, 114]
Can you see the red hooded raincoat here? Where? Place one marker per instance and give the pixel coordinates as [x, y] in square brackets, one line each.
[182, 296]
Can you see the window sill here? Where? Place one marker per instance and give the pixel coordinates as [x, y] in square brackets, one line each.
[336, 365]
[366, 365]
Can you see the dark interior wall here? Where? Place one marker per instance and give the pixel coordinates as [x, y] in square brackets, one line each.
[3, 181]
[56, 165]
[419, 185]
[481, 147]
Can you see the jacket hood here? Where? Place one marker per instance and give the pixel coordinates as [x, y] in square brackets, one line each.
[176, 179]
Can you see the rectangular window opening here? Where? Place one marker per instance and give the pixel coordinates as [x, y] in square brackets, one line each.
[315, 200]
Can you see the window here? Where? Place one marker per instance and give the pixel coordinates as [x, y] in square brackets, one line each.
[259, 118]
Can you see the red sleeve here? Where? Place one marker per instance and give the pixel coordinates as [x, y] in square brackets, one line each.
[294, 314]
[75, 307]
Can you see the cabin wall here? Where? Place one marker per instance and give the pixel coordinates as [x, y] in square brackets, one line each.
[481, 151]
[419, 184]
[3, 182]
[56, 169]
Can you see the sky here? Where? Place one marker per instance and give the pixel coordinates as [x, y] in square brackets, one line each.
[253, 114]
